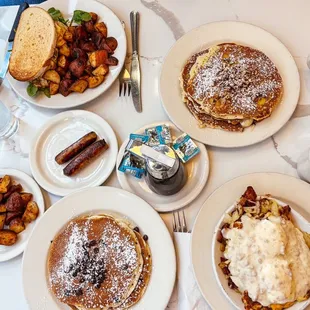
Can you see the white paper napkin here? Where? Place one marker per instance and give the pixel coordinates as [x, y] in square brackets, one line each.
[188, 294]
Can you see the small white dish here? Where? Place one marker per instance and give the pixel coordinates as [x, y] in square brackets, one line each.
[29, 186]
[283, 187]
[58, 133]
[223, 32]
[197, 173]
[230, 294]
[94, 201]
[115, 29]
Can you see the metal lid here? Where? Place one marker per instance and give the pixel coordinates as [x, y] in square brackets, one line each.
[159, 170]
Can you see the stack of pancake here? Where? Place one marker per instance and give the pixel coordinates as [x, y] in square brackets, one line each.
[99, 262]
[230, 86]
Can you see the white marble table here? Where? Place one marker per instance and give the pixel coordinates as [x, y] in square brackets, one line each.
[163, 22]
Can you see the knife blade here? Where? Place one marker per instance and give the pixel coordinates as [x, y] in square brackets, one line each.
[5, 64]
[135, 65]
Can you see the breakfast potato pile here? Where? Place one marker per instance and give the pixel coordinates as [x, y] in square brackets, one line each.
[81, 60]
[16, 210]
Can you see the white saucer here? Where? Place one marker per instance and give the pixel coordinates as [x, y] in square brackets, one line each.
[59, 132]
[95, 201]
[29, 186]
[197, 172]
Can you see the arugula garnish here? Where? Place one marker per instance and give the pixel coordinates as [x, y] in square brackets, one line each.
[56, 15]
[80, 16]
[32, 90]
[46, 92]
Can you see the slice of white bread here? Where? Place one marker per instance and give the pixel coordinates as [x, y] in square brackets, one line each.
[34, 44]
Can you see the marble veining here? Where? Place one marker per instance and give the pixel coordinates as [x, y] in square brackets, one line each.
[286, 158]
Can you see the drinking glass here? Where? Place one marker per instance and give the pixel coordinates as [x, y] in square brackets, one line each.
[8, 122]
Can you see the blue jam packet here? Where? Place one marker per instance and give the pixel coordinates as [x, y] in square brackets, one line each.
[158, 135]
[185, 147]
[132, 165]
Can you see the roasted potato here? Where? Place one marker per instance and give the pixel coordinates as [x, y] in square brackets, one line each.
[89, 26]
[63, 62]
[60, 41]
[14, 188]
[2, 208]
[53, 88]
[88, 47]
[84, 77]
[64, 87]
[101, 70]
[78, 53]
[112, 43]
[1, 197]
[94, 81]
[77, 67]
[7, 237]
[68, 36]
[2, 220]
[17, 225]
[52, 75]
[65, 50]
[111, 61]
[31, 212]
[98, 58]
[5, 184]
[55, 56]
[94, 16]
[97, 38]
[52, 65]
[61, 28]
[79, 86]
[61, 71]
[11, 216]
[71, 29]
[26, 197]
[102, 28]
[15, 203]
[80, 33]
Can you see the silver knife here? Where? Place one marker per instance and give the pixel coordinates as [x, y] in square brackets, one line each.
[5, 64]
[135, 65]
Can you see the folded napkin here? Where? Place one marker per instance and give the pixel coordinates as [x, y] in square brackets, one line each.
[188, 294]
[18, 2]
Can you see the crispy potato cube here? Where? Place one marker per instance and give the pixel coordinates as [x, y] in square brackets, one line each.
[63, 62]
[61, 71]
[15, 203]
[65, 50]
[1, 197]
[94, 81]
[7, 237]
[71, 29]
[98, 58]
[17, 225]
[60, 41]
[26, 197]
[5, 184]
[31, 212]
[79, 86]
[101, 70]
[2, 208]
[14, 188]
[94, 16]
[102, 28]
[54, 88]
[2, 220]
[61, 28]
[52, 75]
[68, 36]
[52, 64]
[84, 77]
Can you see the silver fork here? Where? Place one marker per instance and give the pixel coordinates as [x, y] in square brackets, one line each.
[179, 222]
[124, 83]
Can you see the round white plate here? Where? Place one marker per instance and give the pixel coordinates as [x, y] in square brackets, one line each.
[29, 186]
[281, 186]
[103, 199]
[115, 29]
[220, 32]
[231, 295]
[197, 173]
[58, 133]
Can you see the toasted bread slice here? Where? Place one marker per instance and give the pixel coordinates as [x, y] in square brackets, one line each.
[34, 44]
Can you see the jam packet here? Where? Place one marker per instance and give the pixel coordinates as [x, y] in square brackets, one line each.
[158, 135]
[132, 165]
[185, 147]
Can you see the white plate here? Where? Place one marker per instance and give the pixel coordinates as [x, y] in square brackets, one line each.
[230, 294]
[103, 199]
[197, 172]
[29, 186]
[58, 133]
[219, 32]
[281, 186]
[115, 29]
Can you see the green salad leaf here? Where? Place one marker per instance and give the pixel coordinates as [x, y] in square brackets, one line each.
[46, 92]
[80, 16]
[56, 15]
[32, 90]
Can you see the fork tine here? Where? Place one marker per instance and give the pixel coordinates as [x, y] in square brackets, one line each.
[125, 88]
[174, 225]
[180, 229]
[129, 89]
[120, 88]
[184, 222]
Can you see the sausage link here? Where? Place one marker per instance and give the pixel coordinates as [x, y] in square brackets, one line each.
[86, 157]
[76, 148]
